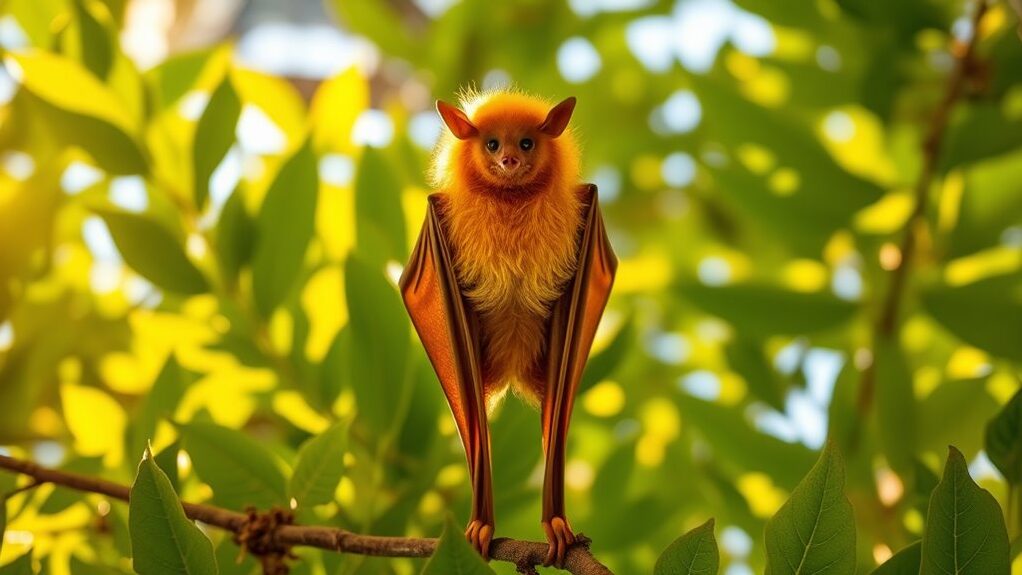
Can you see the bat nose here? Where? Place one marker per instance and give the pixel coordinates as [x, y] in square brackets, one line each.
[509, 162]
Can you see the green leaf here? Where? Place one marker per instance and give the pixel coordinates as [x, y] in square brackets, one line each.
[965, 532]
[764, 311]
[380, 233]
[953, 412]
[214, 135]
[986, 313]
[20, 566]
[285, 226]
[896, 405]
[95, 45]
[319, 467]
[904, 562]
[603, 364]
[379, 344]
[160, 402]
[826, 195]
[334, 372]
[46, 125]
[454, 556]
[27, 218]
[611, 483]
[621, 532]
[153, 251]
[747, 358]
[1004, 440]
[739, 448]
[814, 531]
[990, 202]
[978, 131]
[163, 540]
[173, 77]
[240, 470]
[694, 553]
[235, 236]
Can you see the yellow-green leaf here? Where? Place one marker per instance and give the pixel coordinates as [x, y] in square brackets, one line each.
[763, 310]
[214, 136]
[378, 362]
[240, 470]
[319, 467]
[66, 85]
[285, 227]
[380, 231]
[83, 407]
[335, 107]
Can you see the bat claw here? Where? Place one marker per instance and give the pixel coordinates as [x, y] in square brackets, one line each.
[560, 538]
[479, 535]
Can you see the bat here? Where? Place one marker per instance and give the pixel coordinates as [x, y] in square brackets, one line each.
[507, 282]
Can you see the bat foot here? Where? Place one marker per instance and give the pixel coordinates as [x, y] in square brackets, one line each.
[479, 534]
[560, 538]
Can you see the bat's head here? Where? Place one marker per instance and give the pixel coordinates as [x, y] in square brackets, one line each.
[511, 141]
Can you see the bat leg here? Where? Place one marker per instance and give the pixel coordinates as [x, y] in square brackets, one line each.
[555, 521]
[560, 538]
[481, 522]
[449, 330]
[573, 322]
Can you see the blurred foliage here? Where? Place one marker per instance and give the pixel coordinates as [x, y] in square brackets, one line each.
[230, 300]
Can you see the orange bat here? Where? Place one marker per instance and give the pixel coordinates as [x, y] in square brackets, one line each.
[508, 281]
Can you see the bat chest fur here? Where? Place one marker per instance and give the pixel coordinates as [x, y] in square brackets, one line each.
[514, 261]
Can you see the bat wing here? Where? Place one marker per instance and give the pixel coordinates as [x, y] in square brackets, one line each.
[446, 324]
[573, 324]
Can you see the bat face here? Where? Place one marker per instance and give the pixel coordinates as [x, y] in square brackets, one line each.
[508, 144]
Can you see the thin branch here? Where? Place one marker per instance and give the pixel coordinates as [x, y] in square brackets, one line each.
[524, 554]
[887, 322]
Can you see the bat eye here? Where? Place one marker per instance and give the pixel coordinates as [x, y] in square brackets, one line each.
[492, 145]
[526, 144]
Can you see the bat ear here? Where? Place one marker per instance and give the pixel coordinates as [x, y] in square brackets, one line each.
[456, 120]
[557, 119]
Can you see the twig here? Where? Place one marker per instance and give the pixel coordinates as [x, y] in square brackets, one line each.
[887, 322]
[579, 560]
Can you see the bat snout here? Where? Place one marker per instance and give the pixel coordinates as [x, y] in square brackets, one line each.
[510, 163]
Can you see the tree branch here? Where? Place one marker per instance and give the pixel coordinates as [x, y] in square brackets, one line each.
[524, 554]
[887, 322]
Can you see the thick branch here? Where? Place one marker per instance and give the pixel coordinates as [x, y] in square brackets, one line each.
[887, 322]
[524, 554]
